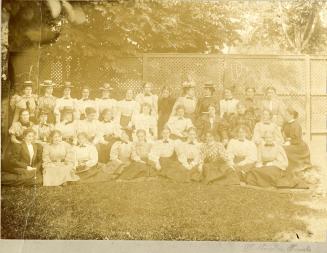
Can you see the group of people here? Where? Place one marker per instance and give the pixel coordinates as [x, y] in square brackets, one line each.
[205, 139]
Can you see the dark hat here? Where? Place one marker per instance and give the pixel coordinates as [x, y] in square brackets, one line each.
[47, 83]
[89, 110]
[68, 84]
[67, 109]
[209, 84]
[106, 86]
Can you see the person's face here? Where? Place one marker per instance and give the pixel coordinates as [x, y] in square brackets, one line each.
[147, 88]
[105, 93]
[68, 116]
[165, 93]
[212, 110]
[67, 92]
[146, 110]
[241, 134]
[209, 138]
[108, 116]
[165, 134]
[270, 93]
[25, 116]
[192, 135]
[241, 109]
[124, 137]
[43, 118]
[190, 92]
[207, 92]
[91, 116]
[29, 137]
[141, 136]
[129, 94]
[269, 139]
[180, 112]
[56, 138]
[288, 116]
[82, 139]
[28, 91]
[228, 93]
[85, 93]
[266, 116]
[49, 90]
[249, 93]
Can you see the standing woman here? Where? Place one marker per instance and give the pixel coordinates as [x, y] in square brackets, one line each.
[145, 121]
[26, 101]
[140, 166]
[85, 102]
[243, 152]
[165, 107]
[275, 105]
[188, 100]
[58, 161]
[207, 100]
[216, 164]
[66, 101]
[106, 102]
[67, 126]
[187, 167]
[43, 128]
[146, 96]
[297, 150]
[267, 125]
[228, 104]
[126, 109]
[272, 162]
[47, 102]
[18, 127]
[24, 162]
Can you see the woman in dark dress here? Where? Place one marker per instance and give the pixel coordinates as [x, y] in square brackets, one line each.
[215, 163]
[165, 106]
[24, 162]
[17, 128]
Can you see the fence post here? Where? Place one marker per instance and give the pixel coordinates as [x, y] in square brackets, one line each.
[308, 98]
[144, 64]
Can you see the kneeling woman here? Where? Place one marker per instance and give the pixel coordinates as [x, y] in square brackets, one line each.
[24, 162]
[271, 165]
[58, 161]
[86, 157]
[216, 164]
[140, 166]
[187, 167]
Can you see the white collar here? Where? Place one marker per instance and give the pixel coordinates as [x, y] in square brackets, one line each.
[291, 121]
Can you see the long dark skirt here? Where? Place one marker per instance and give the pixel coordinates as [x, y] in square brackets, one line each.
[104, 150]
[219, 173]
[175, 171]
[298, 157]
[162, 120]
[241, 171]
[138, 170]
[19, 176]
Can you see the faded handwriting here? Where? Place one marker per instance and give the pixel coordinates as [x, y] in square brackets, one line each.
[276, 247]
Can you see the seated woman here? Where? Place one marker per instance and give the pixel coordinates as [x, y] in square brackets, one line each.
[297, 150]
[58, 161]
[216, 164]
[86, 157]
[67, 126]
[43, 128]
[144, 120]
[111, 131]
[163, 151]
[24, 162]
[267, 125]
[228, 104]
[140, 167]
[178, 124]
[18, 127]
[120, 154]
[243, 152]
[188, 155]
[271, 165]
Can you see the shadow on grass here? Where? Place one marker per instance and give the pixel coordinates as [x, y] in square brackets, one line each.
[156, 210]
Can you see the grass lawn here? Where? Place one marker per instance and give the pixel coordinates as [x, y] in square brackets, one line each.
[152, 210]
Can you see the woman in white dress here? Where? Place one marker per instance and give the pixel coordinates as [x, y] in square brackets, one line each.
[68, 127]
[58, 161]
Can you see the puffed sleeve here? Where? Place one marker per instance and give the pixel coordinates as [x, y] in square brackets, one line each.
[46, 156]
[252, 154]
[256, 134]
[134, 155]
[15, 128]
[154, 154]
[93, 156]
[278, 135]
[70, 155]
[281, 160]
[114, 152]
[181, 155]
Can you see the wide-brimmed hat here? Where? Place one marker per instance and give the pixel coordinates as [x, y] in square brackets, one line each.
[68, 84]
[188, 84]
[47, 83]
[106, 86]
[27, 83]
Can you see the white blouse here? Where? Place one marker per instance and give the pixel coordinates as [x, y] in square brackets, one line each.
[87, 154]
[246, 149]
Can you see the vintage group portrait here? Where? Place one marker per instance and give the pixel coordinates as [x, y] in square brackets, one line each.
[164, 120]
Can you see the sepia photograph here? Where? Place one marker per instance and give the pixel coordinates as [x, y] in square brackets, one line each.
[164, 120]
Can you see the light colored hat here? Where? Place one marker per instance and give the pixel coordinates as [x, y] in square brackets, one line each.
[27, 83]
[47, 83]
[68, 84]
[188, 84]
[106, 86]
